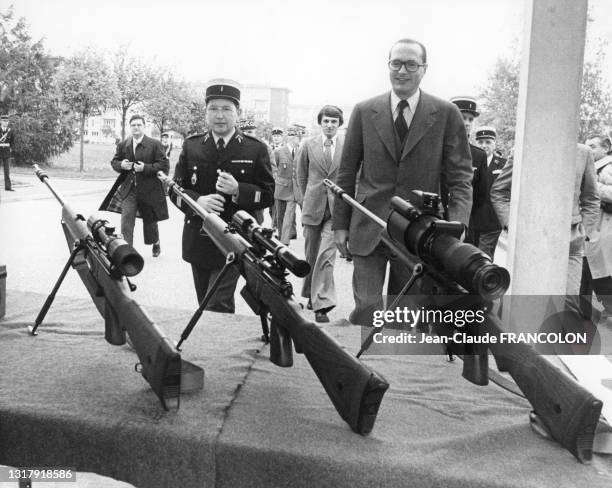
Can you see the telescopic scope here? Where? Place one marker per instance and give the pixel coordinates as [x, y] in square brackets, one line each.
[121, 254]
[263, 237]
[438, 243]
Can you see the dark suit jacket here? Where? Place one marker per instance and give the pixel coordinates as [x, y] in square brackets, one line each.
[312, 170]
[436, 146]
[150, 194]
[484, 215]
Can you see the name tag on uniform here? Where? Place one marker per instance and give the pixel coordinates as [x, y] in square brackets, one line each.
[243, 161]
[496, 171]
[257, 196]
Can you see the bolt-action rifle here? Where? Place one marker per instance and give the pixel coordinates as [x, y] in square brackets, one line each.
[263, 261]
[454, 274]
[104, 262]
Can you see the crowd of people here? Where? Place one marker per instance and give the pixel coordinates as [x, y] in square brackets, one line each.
[397, 142]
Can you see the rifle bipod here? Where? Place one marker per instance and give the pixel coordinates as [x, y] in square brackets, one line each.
[229, 261]
[78, 246]
[417, 271]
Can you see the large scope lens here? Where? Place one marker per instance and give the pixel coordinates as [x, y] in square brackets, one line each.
[491, 281]
[125, 257]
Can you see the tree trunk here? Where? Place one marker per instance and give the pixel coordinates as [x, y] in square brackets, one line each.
[124, 110]
[82, 131]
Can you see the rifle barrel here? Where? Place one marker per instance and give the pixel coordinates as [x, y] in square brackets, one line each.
[353, 203]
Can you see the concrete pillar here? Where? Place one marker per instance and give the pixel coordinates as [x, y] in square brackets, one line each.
[545, 151]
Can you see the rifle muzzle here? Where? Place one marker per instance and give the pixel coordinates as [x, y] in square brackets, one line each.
[263, 237]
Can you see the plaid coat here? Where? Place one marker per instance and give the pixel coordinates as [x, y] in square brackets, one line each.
[150, 195]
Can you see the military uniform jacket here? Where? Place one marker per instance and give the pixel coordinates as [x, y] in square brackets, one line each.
[6, 142]
[246, 158]
[150, 195]
[484, 217]
[287, 187]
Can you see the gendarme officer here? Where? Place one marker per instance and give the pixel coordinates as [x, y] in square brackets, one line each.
[6, 146]
[225, 171]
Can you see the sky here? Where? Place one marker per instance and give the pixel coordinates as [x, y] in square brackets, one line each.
[323, 51]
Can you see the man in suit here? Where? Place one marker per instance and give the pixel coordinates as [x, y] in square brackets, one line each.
[224, 170]
[402, 141]
[486, 224]
[318, 159]
[137, 192]
[287, 190]
[585, 212]
[6, 145]
[467, 107]
[597, 269]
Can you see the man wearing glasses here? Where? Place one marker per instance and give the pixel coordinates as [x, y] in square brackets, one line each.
[402, 140]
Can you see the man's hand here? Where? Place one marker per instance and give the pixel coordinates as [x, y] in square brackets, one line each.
[341, 239]
[127, 165]
[212, 203]
[226, 183]
[139, 167]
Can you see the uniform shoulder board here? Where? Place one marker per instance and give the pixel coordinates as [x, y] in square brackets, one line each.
[197, 134]
[253, 138]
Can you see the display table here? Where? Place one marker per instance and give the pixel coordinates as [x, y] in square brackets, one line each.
[68, 398]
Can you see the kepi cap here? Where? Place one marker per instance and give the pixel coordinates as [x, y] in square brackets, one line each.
[223, 88]
[277, 130]
[466, 104]
[247, 124]
[486, 132]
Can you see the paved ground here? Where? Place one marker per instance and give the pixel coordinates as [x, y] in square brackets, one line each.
[34, 249]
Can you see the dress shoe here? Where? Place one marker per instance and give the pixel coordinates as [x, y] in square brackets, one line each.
[9, 189]
[321, 316]
[156, 250]
[309, 305]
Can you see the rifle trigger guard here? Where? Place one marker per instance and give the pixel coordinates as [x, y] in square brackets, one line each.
[138, 367]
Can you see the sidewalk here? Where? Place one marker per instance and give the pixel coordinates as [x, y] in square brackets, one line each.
[29, 187]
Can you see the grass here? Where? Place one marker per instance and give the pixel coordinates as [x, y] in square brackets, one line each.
[97, 159]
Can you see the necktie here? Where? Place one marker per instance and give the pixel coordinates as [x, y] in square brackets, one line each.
[400, 121]
[328, 157]
[220, 144]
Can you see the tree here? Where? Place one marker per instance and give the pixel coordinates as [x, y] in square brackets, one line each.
[500, 96]
[86, 87]
[28, 94]
[596, 101]
[135, 81]
[169, 105]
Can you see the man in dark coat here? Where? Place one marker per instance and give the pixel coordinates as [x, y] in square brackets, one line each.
[467, 107]
[6, 143]
[225, 171]
[486, 224]
[137, 192]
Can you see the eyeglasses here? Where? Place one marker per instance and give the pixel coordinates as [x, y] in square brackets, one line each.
[411, 66]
